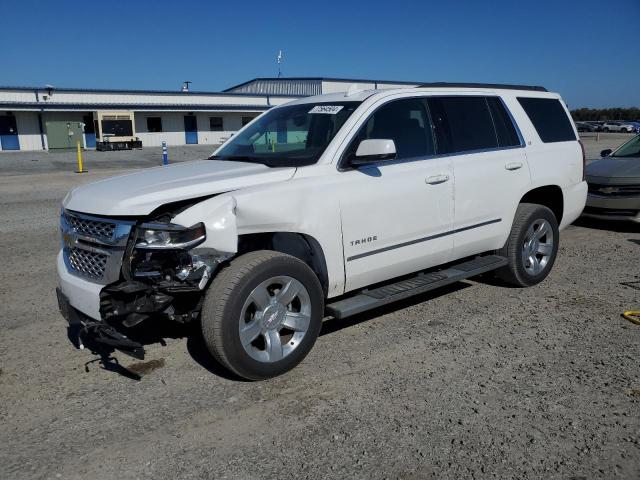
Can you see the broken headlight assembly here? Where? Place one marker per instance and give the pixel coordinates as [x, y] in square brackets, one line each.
[154, 236]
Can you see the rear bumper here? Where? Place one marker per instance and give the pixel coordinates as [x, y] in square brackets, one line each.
[81, 294]
[574, 201]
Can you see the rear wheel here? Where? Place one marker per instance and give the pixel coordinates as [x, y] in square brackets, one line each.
[262, 314]
[532, 246]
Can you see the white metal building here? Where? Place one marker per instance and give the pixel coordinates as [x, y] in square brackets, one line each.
[43, 118]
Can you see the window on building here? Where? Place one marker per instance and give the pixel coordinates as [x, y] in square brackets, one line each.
[462, 124]
[117, 128]
[406, 122]
[246, 120]
[154, 124]
[549, 119]
[215, 124]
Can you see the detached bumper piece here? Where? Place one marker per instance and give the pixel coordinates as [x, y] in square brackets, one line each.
[84, 330]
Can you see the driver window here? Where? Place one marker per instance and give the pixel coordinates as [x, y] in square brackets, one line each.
[406, 122]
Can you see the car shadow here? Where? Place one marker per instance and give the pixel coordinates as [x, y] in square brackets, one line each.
[333, 325]
[611, 225]
[156, 330]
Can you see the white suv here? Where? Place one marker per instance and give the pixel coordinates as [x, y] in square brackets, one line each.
[617, 127]
[329, 205]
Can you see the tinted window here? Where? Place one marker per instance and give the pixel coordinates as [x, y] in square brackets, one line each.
[406, 122]
[154, 124]
[549, 119]
[462, 124]
[505, 131]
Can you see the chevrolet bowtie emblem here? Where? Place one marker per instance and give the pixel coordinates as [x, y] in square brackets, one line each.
[608, 190]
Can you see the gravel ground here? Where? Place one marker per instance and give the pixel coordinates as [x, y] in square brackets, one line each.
[472, 381]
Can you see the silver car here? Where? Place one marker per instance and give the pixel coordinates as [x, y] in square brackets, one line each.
[614, 183]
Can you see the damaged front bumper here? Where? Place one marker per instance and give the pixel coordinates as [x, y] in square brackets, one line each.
[95, 333]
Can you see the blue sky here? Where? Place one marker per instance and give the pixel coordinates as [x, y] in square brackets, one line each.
[588, 50]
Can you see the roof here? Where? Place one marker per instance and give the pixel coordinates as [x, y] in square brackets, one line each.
[499, 86]
[129, 91]
[129, 106]
[301, 86]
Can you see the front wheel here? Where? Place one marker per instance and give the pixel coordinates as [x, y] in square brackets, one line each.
[262, 314]
[532, 246]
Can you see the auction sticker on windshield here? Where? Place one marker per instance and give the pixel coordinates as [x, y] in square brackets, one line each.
[330, 109]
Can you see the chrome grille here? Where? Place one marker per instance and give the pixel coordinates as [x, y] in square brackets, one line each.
[614, 190]
[98, 229]
[93, 247]
[88, 264]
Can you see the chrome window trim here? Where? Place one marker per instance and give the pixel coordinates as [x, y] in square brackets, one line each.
[346, 168]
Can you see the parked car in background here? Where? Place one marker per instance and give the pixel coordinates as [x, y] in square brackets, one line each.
[617, 127]
[614, 184]
[596, 124]
[585, 127]
[635, 125]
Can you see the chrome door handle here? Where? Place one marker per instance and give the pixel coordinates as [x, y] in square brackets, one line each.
[436, 179]
[513, 165]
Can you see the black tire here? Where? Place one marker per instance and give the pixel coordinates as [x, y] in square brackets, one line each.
[516, 273]
[223, 308]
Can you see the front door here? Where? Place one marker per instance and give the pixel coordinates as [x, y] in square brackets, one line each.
[190, 130]
[9, 133]
[397, 214]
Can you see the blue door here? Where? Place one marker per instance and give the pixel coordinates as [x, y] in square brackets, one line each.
[89, 131]
[190, 130]
[9, 133]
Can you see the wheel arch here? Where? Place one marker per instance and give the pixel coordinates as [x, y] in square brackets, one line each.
[300, 245]
[548, 195]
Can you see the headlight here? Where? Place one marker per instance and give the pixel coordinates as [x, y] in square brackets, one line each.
[169, 236]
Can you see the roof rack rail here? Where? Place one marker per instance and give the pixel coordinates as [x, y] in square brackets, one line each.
[485, 85]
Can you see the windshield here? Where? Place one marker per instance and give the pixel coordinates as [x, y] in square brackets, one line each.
[291, 136]
[629, 149]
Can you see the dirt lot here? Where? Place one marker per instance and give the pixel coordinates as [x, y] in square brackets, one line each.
[473, 381]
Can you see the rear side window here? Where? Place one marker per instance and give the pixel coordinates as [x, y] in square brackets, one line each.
[549, 119]
[505, 131]
[462, 124]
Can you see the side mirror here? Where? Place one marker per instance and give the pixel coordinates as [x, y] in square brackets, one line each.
[606, 153]
[373, 150]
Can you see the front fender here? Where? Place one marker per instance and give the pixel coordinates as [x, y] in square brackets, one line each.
[219, 217]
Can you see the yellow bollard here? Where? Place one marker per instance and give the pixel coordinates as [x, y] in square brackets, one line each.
[79, 155]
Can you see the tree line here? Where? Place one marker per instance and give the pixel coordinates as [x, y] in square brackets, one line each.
[582, 114]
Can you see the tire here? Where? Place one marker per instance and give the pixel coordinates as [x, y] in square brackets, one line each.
[528, 242]
[241, 312]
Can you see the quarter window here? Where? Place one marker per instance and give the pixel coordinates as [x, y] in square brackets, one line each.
[154, 124]
[505, 131]
[549, 119]
[462, 124]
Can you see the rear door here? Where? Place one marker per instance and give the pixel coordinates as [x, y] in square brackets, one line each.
[489, 165]
[396, 214]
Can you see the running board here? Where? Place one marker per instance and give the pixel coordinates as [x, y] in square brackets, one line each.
[419, 283]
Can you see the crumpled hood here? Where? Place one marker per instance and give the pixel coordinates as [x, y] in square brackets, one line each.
[615, 171]
[141, 192]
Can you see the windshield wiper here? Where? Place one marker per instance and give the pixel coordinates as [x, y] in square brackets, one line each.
[234, 158]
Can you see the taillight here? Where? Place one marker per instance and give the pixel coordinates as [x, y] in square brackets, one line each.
[584, 162]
